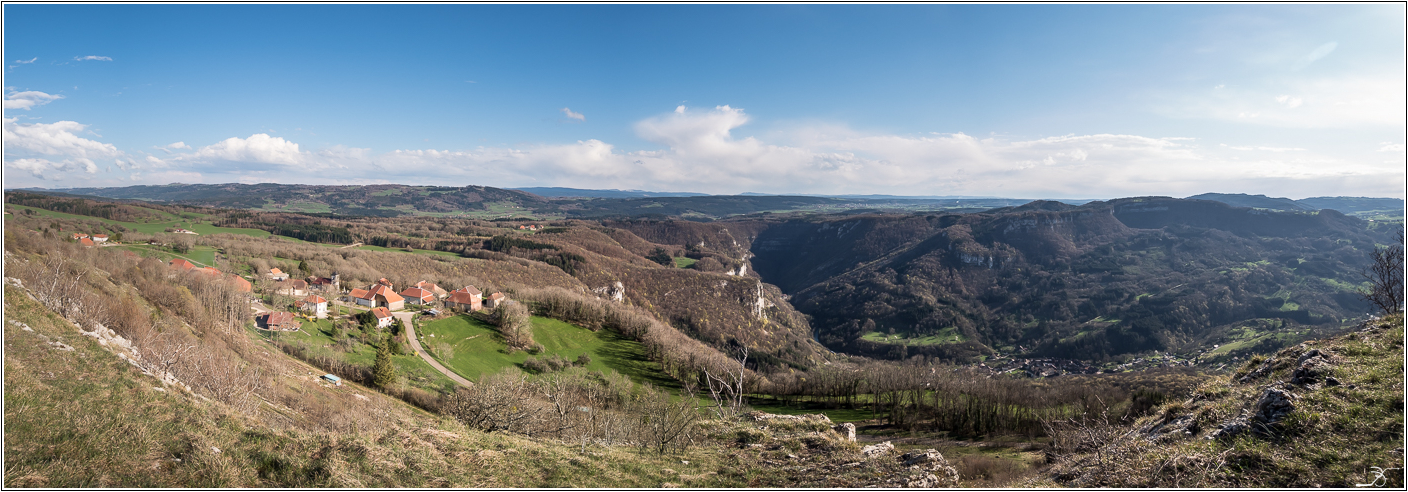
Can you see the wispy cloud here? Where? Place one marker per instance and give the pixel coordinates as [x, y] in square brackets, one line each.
[28, 99]
[573, 115]
[1316, 54]
[92, 58]
[26, 62]
[1265, 149]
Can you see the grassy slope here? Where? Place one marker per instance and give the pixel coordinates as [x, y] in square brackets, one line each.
[203, 255]
[86, 419]
[479, 350]
[317, 335]
[1332, 438]
[198, 223]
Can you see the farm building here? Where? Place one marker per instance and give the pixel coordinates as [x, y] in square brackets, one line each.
[280, 321]
[418, 296]
[494, 300]
[466, 299]
[383, 317]
[277, 275]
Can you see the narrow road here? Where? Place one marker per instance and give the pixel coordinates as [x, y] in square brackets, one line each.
[405, 318]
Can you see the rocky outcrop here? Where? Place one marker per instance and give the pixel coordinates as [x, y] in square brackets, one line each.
[874, 450]
[928, 469]
[847, 431]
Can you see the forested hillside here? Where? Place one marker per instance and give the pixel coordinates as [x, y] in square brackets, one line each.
[1103, 279]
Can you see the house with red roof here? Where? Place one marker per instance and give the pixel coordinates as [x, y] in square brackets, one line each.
[99, 238]
[316, 305]
[466, 299]
[494, 300]
[85, 241]
[277, 275]
[418, 296]
[361, 297]
[241, 284]
[182, 264]
[427, 285]
[281, 321]
[383, 317]
[378, 295]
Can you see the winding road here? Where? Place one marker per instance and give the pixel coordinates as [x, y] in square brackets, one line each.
[406, 319]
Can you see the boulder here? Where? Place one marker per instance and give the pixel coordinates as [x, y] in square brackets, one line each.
[846, 430]
[1311, 368]
[874, 450]
[928, 469]
[1275, 404]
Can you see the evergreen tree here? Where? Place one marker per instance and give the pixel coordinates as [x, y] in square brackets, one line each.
[383, 372]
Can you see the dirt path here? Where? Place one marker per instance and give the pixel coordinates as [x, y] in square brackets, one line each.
[406, 319]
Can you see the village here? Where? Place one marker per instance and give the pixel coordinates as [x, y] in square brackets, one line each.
[315, 294]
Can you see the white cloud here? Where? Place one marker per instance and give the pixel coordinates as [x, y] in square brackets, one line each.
[31, 60]
[58, 139]
[44, 168]
[1391, 147]
[258, 148]
[92, 58]
[28, 99]
[178, 145]
[576, 116]
[706, 150]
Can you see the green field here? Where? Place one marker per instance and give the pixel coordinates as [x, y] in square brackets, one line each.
[682, 262]
[479, 350]
[198, 223]
[400, 250]
[946, 335]
[201, 255]
[317, 336]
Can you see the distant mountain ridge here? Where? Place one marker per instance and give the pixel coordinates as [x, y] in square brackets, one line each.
[1342, 204]
[390, 200]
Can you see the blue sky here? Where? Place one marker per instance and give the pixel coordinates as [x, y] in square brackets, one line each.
[1056, 101]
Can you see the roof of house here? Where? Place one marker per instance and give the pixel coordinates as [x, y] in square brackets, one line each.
[497, 296]
[417, 293]
[383, 281]
[300, 284]
[86, 242]
[384, 291]
[210, 270]
[469, 289]
[319, 281]
[361, 294]
[381, 313]
[275, 271]
[79, 235]
[278, 318]
[97, 236]
[428, 285]
[241, 284]
[185, 265]
[315, 299]
[460, 297]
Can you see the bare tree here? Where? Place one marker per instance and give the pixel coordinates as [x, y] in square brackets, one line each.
[726, 386]
[1385, 275]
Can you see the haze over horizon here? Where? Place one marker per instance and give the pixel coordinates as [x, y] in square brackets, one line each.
[1050, 101]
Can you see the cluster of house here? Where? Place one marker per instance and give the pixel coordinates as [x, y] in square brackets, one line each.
[179, 230]
[238, 281]
[381, 296]
[87, 240]
[533, 227]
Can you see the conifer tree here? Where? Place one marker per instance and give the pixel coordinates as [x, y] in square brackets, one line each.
[383, 372]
